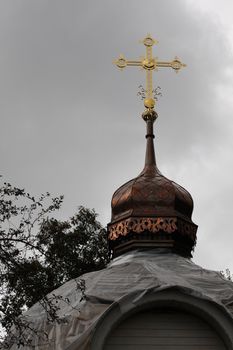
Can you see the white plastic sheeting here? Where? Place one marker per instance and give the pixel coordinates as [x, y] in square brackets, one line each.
[136, 271]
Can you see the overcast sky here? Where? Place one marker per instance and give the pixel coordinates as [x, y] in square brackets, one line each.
[70, 120]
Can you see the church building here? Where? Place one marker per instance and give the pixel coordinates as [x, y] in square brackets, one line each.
[151, 296]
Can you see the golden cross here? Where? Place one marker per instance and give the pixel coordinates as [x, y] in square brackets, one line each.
[149, 63]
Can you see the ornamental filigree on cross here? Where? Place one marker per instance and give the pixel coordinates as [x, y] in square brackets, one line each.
[149, 64]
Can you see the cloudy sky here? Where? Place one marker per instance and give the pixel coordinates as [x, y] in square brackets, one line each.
[70, 120]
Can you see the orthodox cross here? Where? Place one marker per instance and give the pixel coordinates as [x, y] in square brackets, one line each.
[149, 63]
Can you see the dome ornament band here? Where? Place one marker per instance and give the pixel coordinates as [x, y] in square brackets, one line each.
[150, 64]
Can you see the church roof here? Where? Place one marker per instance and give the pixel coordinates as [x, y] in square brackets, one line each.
[136, 272]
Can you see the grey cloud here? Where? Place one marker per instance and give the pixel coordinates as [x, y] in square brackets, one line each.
[71, 121]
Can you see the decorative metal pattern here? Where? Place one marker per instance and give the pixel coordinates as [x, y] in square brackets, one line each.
[139, 225]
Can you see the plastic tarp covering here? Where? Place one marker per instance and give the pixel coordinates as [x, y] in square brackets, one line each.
[136, 271]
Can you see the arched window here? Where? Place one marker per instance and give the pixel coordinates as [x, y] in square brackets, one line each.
[163, 330]
[165, 320]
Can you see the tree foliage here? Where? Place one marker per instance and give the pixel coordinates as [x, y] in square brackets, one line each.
[38, 253]
[227, 274]
[75, 246]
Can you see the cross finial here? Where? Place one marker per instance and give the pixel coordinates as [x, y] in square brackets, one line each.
[149, 63]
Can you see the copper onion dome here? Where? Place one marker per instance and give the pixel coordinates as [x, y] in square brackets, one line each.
[151, 210]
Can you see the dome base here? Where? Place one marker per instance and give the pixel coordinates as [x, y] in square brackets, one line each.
[152, 232]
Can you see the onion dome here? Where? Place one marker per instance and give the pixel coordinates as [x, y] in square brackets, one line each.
[151, 210]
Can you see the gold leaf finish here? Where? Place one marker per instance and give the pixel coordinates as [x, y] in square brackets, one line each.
[149, 64]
